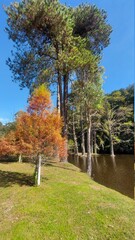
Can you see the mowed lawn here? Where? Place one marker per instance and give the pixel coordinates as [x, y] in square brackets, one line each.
[68, 205]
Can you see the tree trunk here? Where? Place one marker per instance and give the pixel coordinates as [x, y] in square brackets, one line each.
[65, 102]
[89, 148]
[111, 143]
[92, 142]
[60, 95]
[20, 158]
[65, 107]
[82, 137]
[58, 99]
[83, 143]
[65, 158]
[56, 153]
[63, 96]
[95, 142]
[38, 171]
[59, 87]
[74, 136]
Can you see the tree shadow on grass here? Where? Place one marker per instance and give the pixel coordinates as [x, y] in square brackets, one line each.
[66, 168]
[8, 179]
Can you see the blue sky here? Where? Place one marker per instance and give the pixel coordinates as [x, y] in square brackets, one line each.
[118, 57]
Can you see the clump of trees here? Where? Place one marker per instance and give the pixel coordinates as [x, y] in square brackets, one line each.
[118, 121]
[53, 42]
[37, 132]
[112, 119]
[86, 101]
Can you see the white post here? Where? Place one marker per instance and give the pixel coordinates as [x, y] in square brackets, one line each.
[39, 170]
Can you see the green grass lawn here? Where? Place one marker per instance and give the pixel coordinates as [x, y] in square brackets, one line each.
[67, 205]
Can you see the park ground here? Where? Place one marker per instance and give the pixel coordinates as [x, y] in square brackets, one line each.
[68, 205]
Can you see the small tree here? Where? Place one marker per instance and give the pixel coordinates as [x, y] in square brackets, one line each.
[38, 130]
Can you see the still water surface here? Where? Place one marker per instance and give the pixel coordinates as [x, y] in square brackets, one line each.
[116, 173]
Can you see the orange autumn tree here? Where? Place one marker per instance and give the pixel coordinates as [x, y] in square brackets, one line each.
[38, 131]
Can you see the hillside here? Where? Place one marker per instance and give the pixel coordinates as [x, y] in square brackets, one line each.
[67, 205]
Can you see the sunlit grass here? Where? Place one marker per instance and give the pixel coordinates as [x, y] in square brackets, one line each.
[67, 205]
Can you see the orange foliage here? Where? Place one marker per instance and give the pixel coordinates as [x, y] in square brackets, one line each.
[7, 144]
[39, 129]
[40, 102]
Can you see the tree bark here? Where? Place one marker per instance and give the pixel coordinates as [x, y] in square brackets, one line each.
[95, 142]
[59, 86]
[92, 142]
[82, 137]
[65, 107]
[58, 99]
[111, 143]
[59, 95]
[83, 143]
[74, 136]
[37, 174]
[89, 170]
[39, 170]
[65, 102]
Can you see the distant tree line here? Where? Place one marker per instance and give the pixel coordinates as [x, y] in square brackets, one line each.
[120, 116]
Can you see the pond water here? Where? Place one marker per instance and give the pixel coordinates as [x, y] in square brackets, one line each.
[116, 173]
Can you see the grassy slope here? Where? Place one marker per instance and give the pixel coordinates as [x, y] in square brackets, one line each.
[67, 205]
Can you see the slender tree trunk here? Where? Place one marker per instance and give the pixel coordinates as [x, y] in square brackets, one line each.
[58, 99]
[65, 158]
[20, 158]
[82, 137]
[89, 148]
[63, 96]
[95, 142]
[65, 102]
[65, 107]
[59, 87]
[83, 143]
[60, 95]
[111, 143]
[92, 142]
[74, 136]
[39, 170]
[37, 174]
